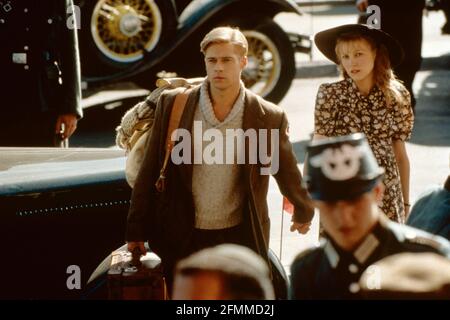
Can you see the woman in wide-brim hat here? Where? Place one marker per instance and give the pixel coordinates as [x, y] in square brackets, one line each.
[369, 100]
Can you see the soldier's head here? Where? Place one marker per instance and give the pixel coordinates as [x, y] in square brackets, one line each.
[224, 272]
[225, 50]
[344, 181]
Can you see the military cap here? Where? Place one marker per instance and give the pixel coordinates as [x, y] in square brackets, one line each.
[341, 168]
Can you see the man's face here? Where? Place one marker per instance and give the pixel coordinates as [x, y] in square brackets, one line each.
[200, 286]
[347, 222]
[224, 65]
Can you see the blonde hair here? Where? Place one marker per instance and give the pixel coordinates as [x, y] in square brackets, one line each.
[384, 76]
[225, 35]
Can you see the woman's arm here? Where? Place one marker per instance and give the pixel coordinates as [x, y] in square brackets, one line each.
[403, 166]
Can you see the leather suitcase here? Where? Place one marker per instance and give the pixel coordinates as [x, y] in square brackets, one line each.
[135, 277]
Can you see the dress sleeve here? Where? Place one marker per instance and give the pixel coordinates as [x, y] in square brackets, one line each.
[324, 121]
[403, 118]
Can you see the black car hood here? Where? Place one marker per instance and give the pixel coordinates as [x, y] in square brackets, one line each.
[25, 170]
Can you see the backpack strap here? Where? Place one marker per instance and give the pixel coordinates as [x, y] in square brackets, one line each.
[174, 121]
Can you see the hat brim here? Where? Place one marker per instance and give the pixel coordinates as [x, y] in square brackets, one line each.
[326, 41]
[338, 190]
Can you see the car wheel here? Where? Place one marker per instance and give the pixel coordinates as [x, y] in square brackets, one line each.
[271, 61]
[114, 33]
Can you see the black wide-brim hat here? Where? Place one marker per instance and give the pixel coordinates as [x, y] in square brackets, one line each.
[341, 168]
[326, 41]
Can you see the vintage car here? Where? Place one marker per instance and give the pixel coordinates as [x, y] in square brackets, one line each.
[141, 40]
[62, 212]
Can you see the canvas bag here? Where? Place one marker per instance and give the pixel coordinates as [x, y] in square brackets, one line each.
[137, 123]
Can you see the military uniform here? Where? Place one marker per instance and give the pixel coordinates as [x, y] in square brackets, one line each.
[329, 272]
[40, 66]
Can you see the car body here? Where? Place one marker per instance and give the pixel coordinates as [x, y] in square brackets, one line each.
[62, 212]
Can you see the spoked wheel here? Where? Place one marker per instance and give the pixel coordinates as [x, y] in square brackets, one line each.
[116, 33]
[271, 61]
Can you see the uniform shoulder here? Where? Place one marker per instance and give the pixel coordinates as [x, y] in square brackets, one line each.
[419, 237]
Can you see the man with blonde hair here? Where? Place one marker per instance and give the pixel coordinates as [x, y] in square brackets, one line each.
[207, 203]
[225, 35]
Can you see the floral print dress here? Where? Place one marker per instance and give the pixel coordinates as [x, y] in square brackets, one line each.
[341, 109]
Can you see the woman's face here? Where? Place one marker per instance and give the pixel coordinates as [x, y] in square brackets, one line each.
[358, 59]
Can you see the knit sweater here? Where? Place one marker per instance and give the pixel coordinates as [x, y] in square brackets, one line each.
[217, 188]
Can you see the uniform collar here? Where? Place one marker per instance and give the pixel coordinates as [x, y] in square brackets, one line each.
[361, 254]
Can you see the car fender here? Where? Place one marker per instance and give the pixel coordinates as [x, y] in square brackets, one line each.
[199, 11]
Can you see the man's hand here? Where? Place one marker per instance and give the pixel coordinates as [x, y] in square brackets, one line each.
[137, 244]
[362, 5]
[70, 124]
[302, 228]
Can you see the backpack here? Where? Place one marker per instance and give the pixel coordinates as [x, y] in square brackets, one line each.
[136, 124]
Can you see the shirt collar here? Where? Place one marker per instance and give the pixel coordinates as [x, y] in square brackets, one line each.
[208, 110]
[361, 254]
[354, 88]
[331, 253]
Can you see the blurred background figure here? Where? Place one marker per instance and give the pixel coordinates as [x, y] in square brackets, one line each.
[40, 94]
[432, 211]
[402, 19]
[407, 276]
[443, 5]
[224, 272]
